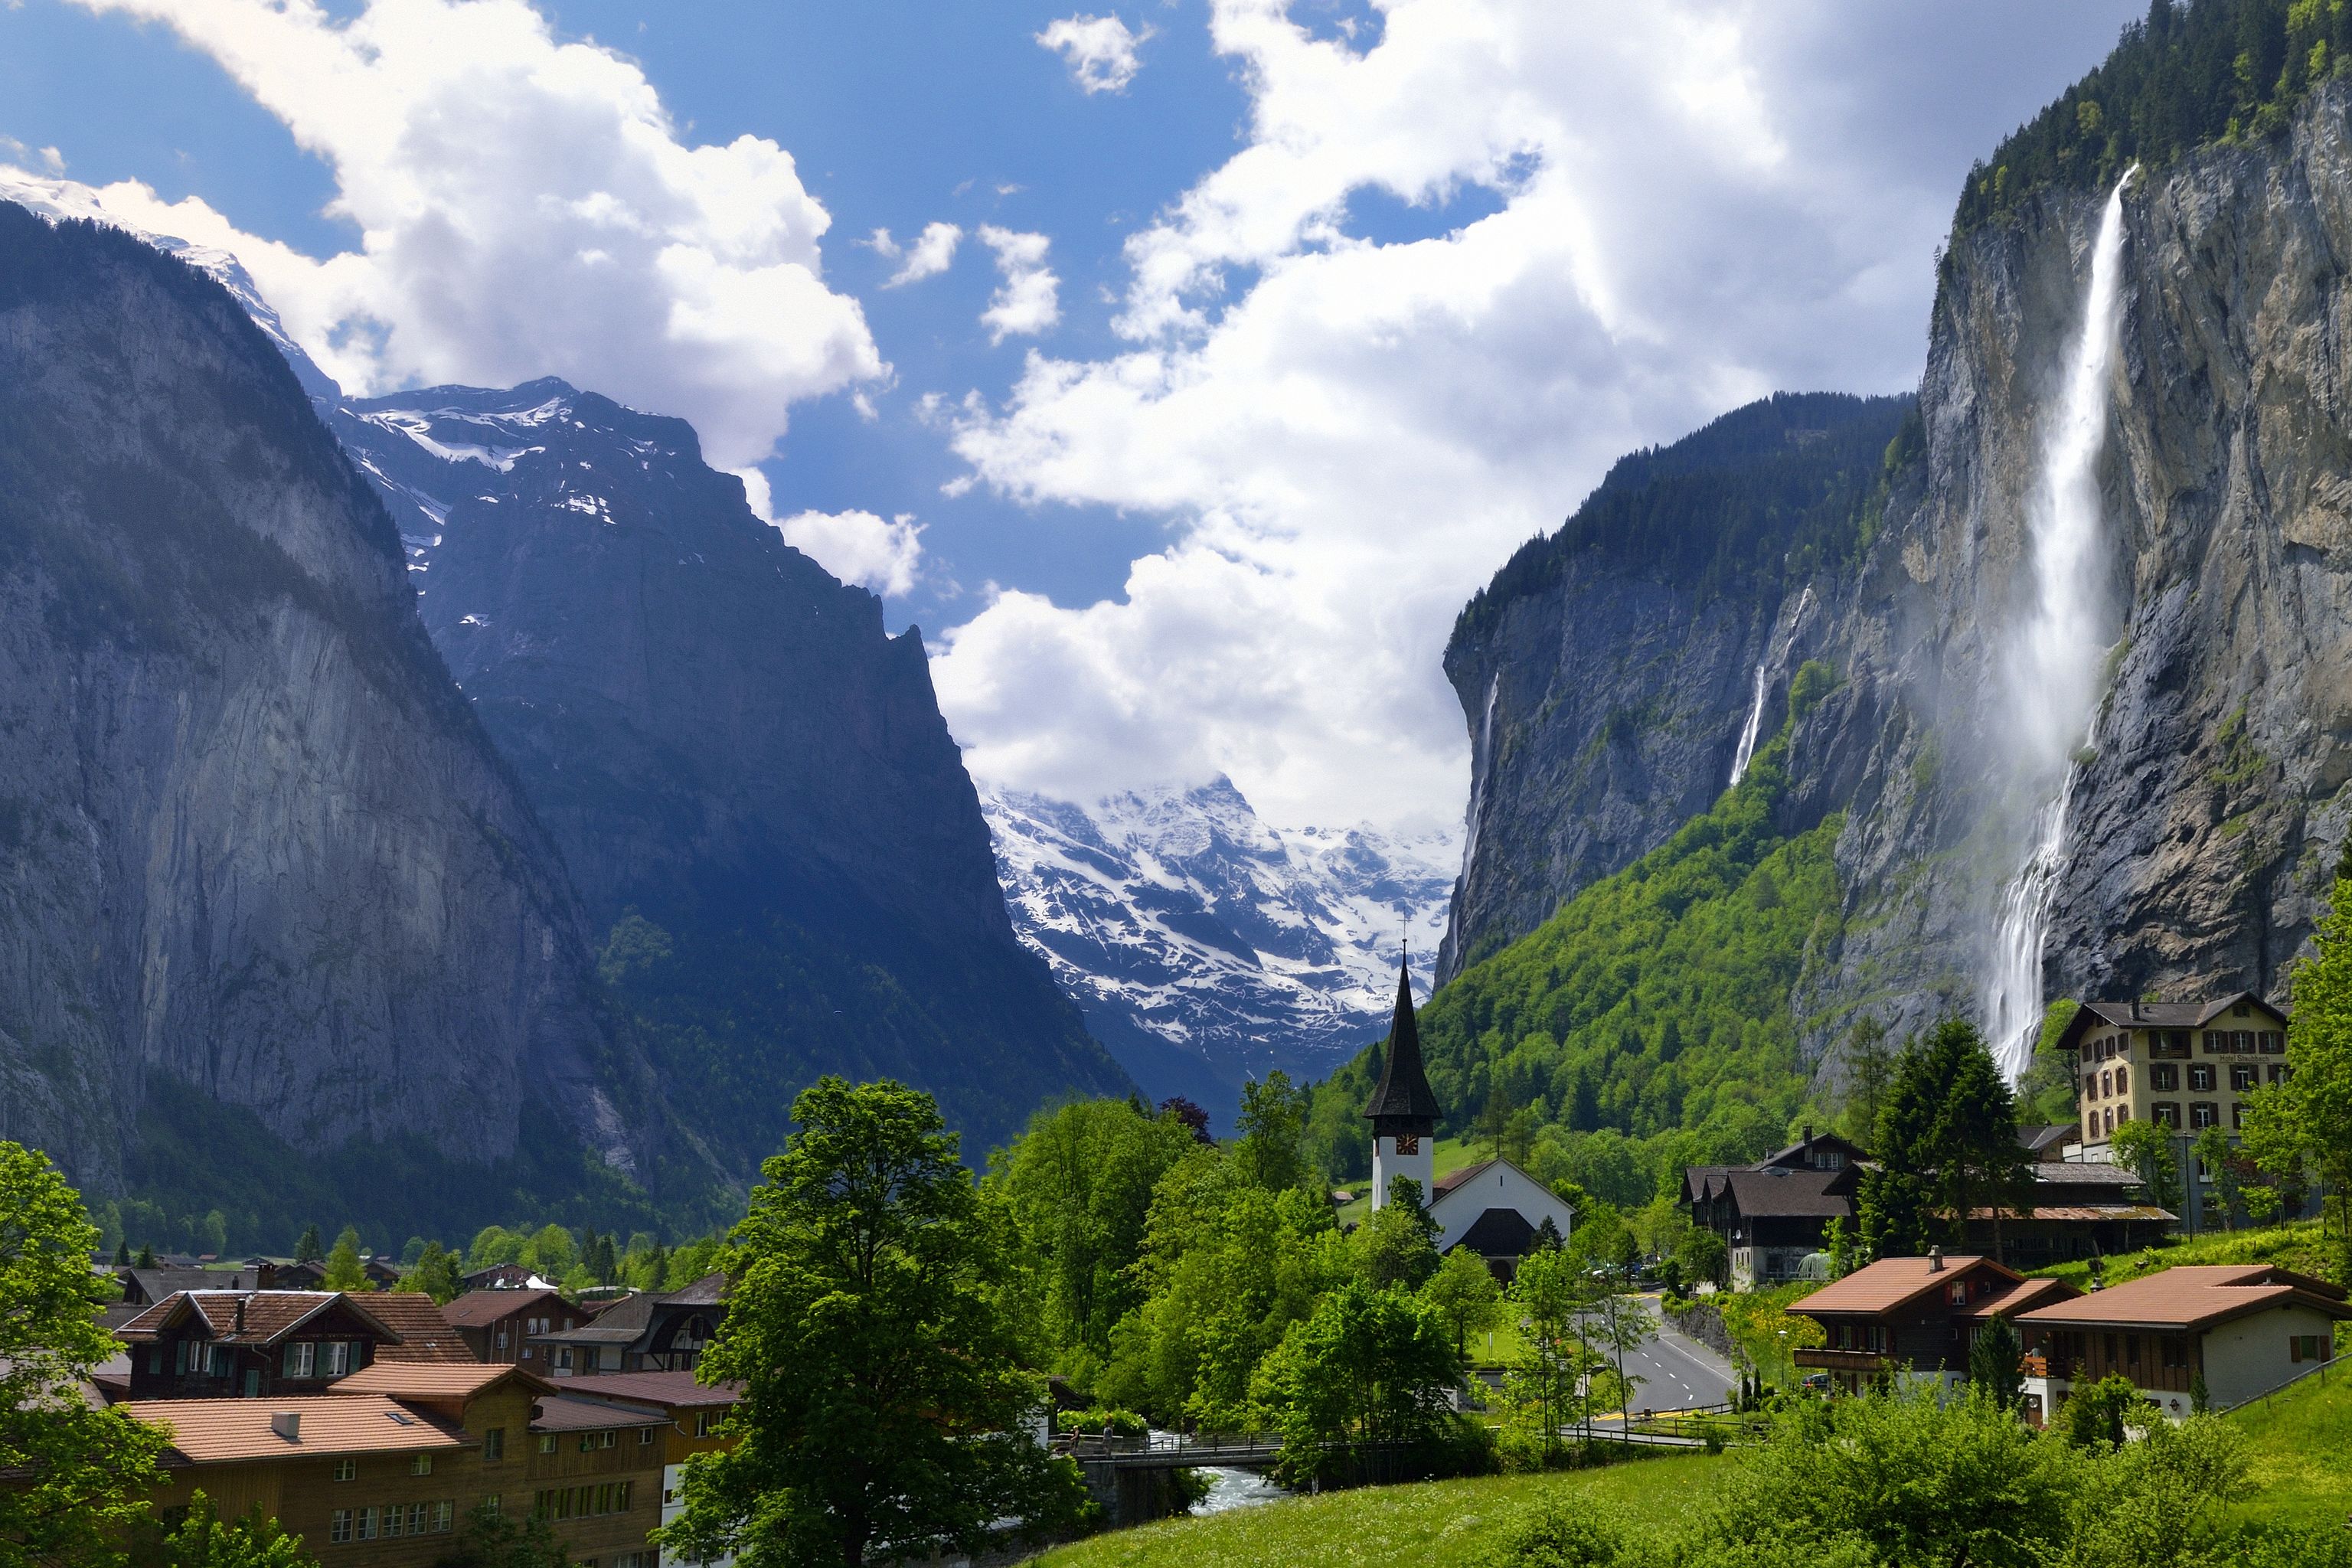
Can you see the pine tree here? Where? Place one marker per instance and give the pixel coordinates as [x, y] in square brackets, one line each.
[1997, 1363]
[146, 1255]
[123, 1253]
[310, 1249]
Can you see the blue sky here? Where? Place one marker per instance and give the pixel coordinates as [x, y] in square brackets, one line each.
[1350, 299]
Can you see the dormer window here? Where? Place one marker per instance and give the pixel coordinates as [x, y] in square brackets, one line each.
[1831, 1159]
[1958, 1293]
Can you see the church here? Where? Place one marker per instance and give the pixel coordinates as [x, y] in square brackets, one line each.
[1494, 1208]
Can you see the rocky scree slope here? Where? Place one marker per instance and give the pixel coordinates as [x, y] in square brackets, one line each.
[751, 780]
[2208, 810]
[257, 862]
[1208, 948]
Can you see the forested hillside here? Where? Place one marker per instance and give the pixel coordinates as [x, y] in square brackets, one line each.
[1647, 1023]
[2212, 70]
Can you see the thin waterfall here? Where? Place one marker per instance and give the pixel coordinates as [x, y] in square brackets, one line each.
[1478, 776]
[1754, 729]
[2055, 658]
[1755, 721]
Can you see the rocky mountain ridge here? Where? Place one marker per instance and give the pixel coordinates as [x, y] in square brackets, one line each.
[258, 855]
[1209, 948]
[2207, 812]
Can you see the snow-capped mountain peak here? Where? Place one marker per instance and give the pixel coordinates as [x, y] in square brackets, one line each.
[1209, 947]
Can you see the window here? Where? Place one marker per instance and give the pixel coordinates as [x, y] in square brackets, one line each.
[2123, 1080]
[587, 1442]
[705, 1422]
[2176, 1353]
[366, 1522]
[2242, 1010]
[621, 1497]
[2106, 1085]
[502, 1339]
[2091, 1125]
[2216, 1043]
[2237, 1115]
[645, 1437]
[2277, 1073]
[2123, 1114]
[179, 1358]
[563, 1358]
[547, 1443]
[2310, 1347]
[494, 1445]
[2109, 1117]
[2203, 1113]
[338, 1526]
[2200, 1077]
[2271, 1043]
[2090, 1085]
[1832, 1159]
[392, 1521]
[491, 1500]
[2243, 1075]
[2167, 1113]
[445, 1512]
[2164, 1077]
[2242, 1041]
[421, 1465]
[608, 1438]
[2176, 1044]
[339, 1357]
[347, 1469]
[2131, 1350]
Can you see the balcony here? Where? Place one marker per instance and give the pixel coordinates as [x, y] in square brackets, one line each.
[1839, 1361]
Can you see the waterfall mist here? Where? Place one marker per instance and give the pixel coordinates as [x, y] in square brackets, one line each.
[2055, 656]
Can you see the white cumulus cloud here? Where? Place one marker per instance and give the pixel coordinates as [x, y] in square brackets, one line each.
[1029, 298]
[1668, 210]
[525, 207]
[1099, 50]
[857, 546]
[928, 255]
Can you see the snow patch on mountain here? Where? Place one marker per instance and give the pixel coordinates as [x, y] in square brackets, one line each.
[1191, 931]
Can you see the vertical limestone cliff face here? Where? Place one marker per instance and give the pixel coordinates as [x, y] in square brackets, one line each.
[2209, 808]
[751, 779]
[253, 846]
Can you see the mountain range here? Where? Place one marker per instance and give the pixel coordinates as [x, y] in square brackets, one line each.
[1208, 948]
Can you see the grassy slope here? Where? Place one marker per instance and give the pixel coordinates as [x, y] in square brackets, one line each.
[2297, 1245]
[2301, 1442]
[1435, 1524]
[1656, 1000]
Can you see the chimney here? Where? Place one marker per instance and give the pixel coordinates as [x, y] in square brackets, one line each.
[2135, 1006]
[1809, 1133]
[239, 1328]
[1934, 1261]
[287, 1423]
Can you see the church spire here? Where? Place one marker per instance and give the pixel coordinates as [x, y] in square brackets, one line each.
[1403, 1095]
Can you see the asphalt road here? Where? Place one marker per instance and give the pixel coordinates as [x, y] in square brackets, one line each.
[1677, 1372]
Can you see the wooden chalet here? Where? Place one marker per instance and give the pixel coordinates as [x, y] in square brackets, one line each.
[1914, 1317]
[1771, 1214]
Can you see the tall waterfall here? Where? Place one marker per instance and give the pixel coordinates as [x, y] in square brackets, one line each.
[1754, 729]
[2055, 656]
[1755, 721]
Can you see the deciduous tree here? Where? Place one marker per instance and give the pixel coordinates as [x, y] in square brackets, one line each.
[884, 1410]
[1465, 1293]
[80, 1475]
[2305, 1122]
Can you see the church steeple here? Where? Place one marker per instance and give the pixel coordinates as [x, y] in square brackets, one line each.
[1403, 1112]
[1403, 1095]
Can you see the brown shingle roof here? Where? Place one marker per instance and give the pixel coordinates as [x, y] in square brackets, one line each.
[1781, 1191]
[424, 1334]
[220, 1431]
[1883, 1286]
[430, 1379]
[476, 1309]
[2192, 1298]
[2153, 1016]
[267, 1317]
[2028, 1294]
[676, 1390]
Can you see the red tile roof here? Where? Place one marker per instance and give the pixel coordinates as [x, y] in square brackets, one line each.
[557, 1413]
[424, 1334]
[2192, 1298]
[1883, 1286]
[267, 1316]
[676, 1390]
[429, 1380]
[221, 1431]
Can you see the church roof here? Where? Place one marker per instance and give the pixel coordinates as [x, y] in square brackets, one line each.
[1403, 1089]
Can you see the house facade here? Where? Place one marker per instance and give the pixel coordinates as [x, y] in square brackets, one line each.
[1497, 1210]
[253, 1344]
[2247, 1329]
[500, 1325]
[1773, 1213]
[1913, 1317]
[2183, 1066]
[2077, 1209]
[646, 1331]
